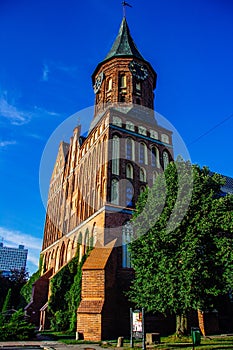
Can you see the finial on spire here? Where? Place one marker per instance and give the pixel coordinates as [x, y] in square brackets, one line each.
[124, 4]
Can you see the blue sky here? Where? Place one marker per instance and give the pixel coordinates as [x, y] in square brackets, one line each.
[49, 49]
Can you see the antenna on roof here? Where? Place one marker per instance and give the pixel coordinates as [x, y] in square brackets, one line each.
[124, 4]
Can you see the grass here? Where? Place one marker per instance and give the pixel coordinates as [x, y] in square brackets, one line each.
[185, 343]
[167, 343]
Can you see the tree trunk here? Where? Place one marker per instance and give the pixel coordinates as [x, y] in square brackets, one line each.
[181, 325]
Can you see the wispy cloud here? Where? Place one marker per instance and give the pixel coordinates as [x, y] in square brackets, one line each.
[12, 238]
[4, 144]
[13, 114]
[45, 112]
[51, 67]
[45, 73]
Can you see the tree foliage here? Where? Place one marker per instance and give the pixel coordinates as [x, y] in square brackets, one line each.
[15, 281]
[186, 266]
[17, 328]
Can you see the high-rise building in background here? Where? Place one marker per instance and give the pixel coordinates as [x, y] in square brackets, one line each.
[12, 258]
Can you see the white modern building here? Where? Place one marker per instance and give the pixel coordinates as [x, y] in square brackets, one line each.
[12, 258]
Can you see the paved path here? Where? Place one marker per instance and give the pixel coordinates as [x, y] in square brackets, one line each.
[48, 344]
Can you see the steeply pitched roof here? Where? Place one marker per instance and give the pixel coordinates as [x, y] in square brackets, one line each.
[124, 44]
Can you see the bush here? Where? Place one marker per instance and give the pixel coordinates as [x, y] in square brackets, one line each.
[17, 328]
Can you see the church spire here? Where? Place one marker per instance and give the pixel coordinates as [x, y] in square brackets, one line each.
[124, 45]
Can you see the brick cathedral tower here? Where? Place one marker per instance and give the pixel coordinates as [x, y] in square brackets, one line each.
[94, 187]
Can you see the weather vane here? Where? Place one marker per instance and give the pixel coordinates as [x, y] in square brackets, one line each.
[124, 4]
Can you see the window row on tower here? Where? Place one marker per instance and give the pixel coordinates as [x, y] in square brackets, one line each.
[137, 152]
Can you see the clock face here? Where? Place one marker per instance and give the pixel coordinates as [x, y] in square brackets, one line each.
[138, 70]
[98, 82]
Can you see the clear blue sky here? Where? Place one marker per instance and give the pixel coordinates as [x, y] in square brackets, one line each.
[49, 50]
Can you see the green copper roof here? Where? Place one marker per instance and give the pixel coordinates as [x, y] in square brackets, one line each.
[124, 44]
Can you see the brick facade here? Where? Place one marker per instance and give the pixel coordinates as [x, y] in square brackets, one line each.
[95, 185]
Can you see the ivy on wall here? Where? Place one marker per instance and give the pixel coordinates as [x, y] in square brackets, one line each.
[26, 290]
[66, 295]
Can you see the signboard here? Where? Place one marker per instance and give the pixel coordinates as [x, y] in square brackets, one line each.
[137, 327]
[137, 324]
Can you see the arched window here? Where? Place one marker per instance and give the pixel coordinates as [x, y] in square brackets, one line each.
[143, 153]
[142, 130]
[165, 138]
[115, 154]
[138, 86]
[86, 241]
[142, 189]
[129, 194]
[123, 81]
[117, 121]
[115, 192]
[109, 84]
[129, 171]
[155, 174]
[142, 175]
[165, 160]
[154, 134]
[129, 126]
[127, 236]
[130, 149]
[155, 157]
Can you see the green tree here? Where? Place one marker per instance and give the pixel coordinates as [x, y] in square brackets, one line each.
[183, 261]
[8, 301]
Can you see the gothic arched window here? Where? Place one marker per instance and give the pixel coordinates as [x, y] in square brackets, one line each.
[115, 192]
[129, 194]
[155, 157]
[127, 236]
[130, 149]
[143, 153]
[155, 174]
[142, 175]
[115, 154]
[165, 160]
[142, 189]
[129, 171]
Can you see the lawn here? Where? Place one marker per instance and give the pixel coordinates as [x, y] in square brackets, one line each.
[167, 343]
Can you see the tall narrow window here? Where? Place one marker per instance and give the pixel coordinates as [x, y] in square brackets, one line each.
[115, 154]
[129, 171]
[143, 153]
[123, 81]
[129, 194]
[155, 174]
[138, 87]
[115, 192]
[155, 157]
[130, 149]
[165, 160]
[127, 236]
[142, 175]
[109, 85]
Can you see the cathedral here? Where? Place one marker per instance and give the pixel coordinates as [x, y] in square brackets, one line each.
[94, 187]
